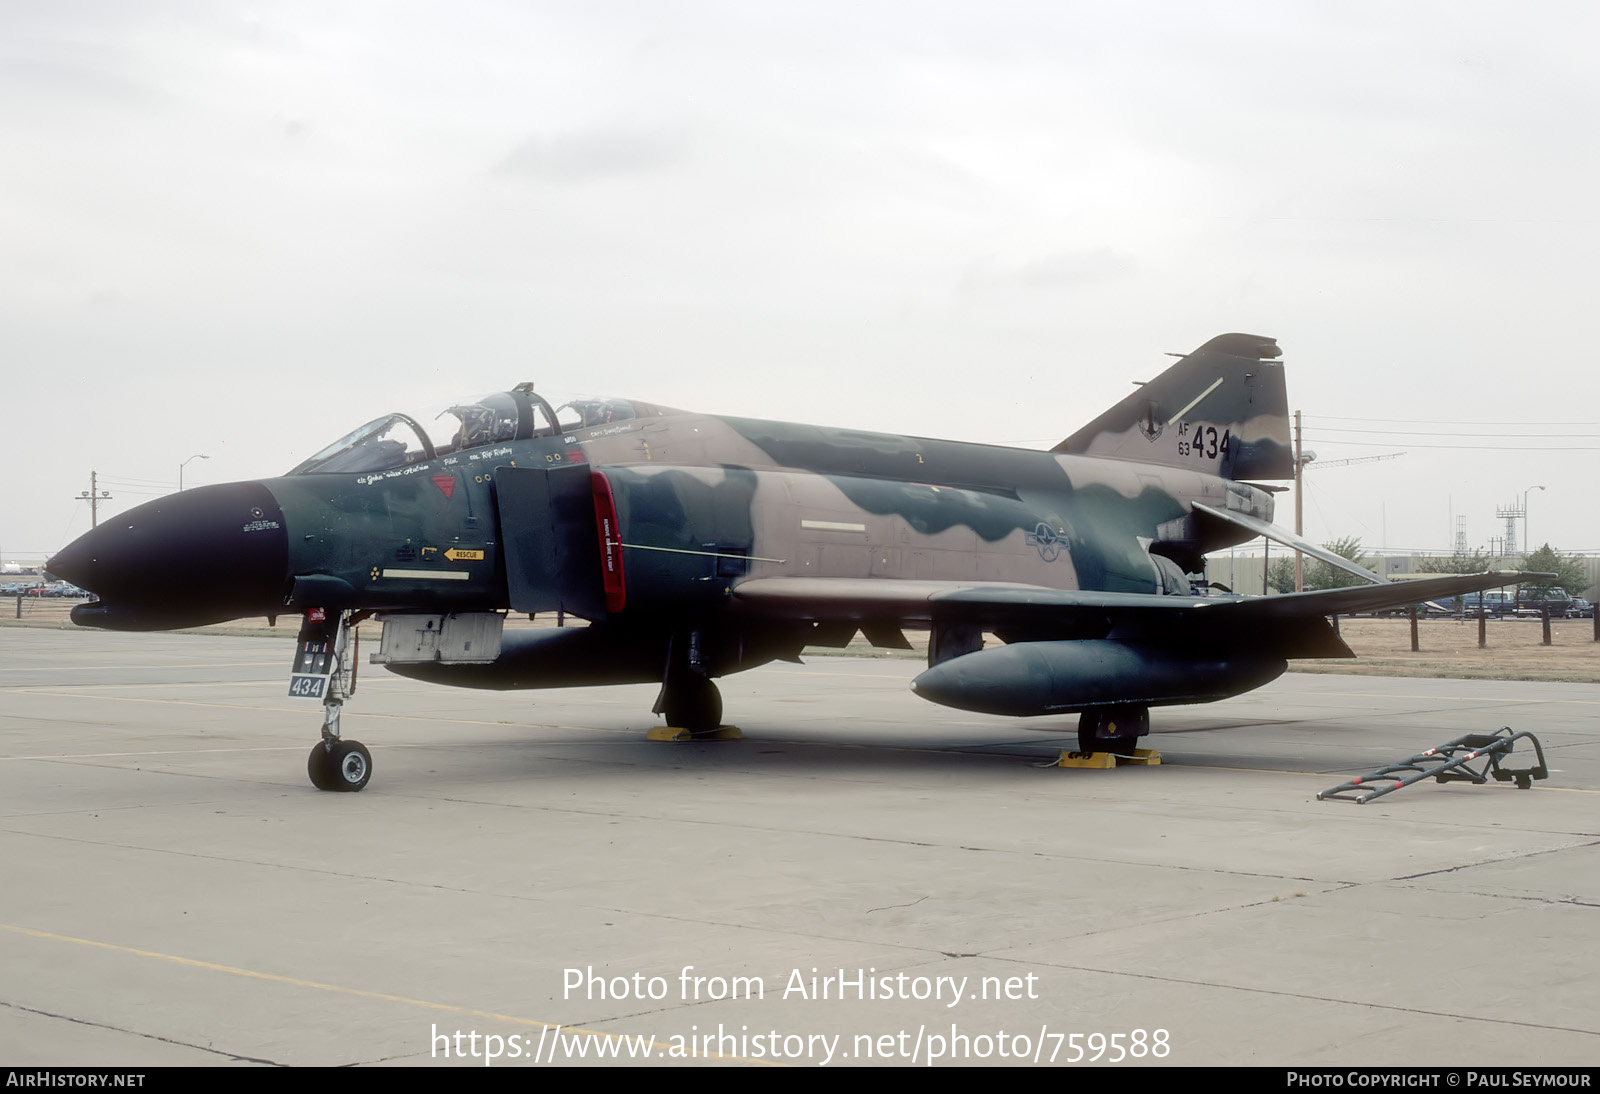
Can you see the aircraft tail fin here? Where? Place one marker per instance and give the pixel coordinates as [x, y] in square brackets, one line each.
[1222, 409]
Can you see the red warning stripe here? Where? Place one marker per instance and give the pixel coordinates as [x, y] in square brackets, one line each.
[610, 535]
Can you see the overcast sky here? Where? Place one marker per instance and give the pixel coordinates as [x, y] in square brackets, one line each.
[243, 229]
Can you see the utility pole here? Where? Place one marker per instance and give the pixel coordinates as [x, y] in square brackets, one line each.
[94, 496]
[1299, 505]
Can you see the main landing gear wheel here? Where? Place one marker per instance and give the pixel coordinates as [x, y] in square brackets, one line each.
[1113, 729]
[345, 766]
[691, 701]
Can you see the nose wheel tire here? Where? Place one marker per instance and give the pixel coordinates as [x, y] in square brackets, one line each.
[345, 766]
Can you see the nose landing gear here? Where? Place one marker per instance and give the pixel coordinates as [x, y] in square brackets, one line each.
[322, 670]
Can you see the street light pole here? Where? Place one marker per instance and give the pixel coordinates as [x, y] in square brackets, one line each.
[185, 463]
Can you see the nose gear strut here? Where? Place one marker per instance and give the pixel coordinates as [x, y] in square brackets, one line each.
[325, 668]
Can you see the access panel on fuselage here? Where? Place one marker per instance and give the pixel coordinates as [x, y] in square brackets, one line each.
[547, 531]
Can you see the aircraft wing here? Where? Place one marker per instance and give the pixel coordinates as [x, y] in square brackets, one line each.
[1369, 598]
[1000, 604]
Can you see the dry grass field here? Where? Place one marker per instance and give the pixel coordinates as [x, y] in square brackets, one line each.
[1448, 647]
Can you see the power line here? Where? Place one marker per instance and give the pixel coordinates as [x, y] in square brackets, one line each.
[138, 482]
[1359, 459]
[1440, 421]
[1475, 447]
[1447, 433]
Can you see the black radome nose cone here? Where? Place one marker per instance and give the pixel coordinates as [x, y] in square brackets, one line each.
[203, 556]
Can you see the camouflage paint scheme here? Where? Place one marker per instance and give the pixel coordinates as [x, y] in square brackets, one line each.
[698, 546]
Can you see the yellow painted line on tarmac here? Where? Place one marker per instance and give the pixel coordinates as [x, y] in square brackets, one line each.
[339, 989]
[84, 689]
[808, 672]
[306, 709]
[1458, 698]
[80, 694]
[1324, 776]
[95, 667]
[1474, 699]
[167, 752]
[1180, 765]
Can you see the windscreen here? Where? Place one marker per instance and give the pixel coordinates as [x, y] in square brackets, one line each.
[391, 441]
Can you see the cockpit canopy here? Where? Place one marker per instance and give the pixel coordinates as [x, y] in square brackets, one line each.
[396, 440]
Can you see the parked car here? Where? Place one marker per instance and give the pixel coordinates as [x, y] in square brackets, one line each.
[59, 589]
[1494, 602]
[1579, 608]
[1537, 601]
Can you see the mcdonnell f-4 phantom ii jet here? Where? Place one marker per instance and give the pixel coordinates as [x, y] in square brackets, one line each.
[697, 546]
